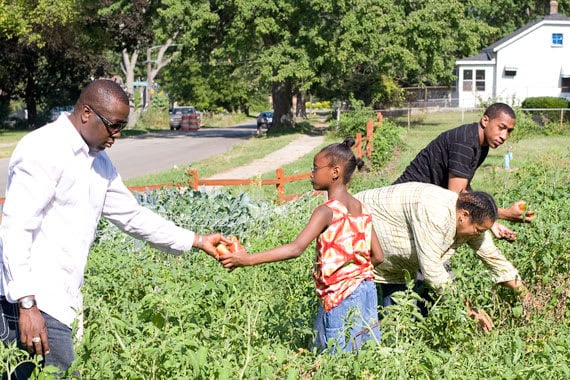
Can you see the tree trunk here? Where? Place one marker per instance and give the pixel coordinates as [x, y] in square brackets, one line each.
[154, 66]
[282, 103]
[129, 64]
[301, 110]
[30, 94]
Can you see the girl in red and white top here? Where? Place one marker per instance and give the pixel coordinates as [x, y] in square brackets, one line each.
[347, 251]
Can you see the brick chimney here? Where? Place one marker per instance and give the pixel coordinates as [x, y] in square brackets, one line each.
[553, 7]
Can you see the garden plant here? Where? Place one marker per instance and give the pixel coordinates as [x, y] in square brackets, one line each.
[152, 316]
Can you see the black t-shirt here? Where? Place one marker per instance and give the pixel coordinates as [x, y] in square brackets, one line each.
[457, 151]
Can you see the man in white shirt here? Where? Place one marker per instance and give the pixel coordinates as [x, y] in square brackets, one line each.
[60, 182]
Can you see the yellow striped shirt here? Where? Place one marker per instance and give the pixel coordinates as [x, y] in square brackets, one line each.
[416, 225]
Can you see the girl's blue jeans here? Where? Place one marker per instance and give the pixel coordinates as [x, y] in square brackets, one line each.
[350, 324]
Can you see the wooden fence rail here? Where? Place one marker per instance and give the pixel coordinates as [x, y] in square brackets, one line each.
[279, 181]
[362, 147]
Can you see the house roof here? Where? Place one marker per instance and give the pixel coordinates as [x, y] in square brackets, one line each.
[487, 53]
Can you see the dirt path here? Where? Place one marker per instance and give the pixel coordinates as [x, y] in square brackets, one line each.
[290, 153]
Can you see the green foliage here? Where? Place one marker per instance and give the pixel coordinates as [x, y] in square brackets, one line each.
[542, 116]
[353, 121]
[386, 138]
[325, 104]
[151, 315]
[214, 211]
[160, 101]
[537, 123]
[385, 141]
[545, 102]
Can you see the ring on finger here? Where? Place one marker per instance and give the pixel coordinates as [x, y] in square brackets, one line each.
[36, 339]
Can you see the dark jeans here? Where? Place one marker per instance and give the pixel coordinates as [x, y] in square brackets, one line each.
[420, 287]
[60, 340]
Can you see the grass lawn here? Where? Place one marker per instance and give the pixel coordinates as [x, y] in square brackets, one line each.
[8, 140]
[420, 129]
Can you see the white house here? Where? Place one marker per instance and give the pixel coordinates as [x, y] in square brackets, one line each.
[532, 61]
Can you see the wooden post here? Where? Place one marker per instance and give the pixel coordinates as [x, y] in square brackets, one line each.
[280, 174]
[359, 145]
[369, 135]
[194, 181]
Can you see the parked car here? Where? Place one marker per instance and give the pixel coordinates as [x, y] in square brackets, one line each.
[56, 111]
[176, 115]
[264, 119]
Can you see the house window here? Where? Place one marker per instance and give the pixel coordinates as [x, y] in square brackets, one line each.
[480, 80]
[467, 80]
[565, 85]
[557, 39]
[470, 83]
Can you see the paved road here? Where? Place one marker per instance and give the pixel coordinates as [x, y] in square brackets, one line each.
[160, 151]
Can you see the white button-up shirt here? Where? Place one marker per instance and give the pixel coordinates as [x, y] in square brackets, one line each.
[57, 191]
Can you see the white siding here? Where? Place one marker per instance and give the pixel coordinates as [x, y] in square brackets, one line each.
[538, 65]
[537, 62]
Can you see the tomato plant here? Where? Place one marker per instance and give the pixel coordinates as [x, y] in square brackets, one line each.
[154, 316]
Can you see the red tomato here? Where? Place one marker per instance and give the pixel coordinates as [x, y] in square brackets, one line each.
[235, 245]
[223, 250]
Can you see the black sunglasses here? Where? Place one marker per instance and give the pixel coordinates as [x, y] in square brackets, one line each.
[112, 128]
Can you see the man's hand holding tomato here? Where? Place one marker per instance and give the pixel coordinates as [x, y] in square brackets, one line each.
[233, 254]
[208, 243]
[517, 212]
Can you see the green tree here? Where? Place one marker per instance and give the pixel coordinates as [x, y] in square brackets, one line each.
[508, 15]
[40, 46]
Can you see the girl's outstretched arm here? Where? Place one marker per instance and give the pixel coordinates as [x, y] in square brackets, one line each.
[320, 219]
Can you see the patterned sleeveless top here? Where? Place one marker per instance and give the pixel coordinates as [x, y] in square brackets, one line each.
[343, 255]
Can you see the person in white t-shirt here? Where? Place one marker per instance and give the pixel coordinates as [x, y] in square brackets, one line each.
[60, 182]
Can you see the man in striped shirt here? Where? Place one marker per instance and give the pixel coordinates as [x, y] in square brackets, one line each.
[420, 226]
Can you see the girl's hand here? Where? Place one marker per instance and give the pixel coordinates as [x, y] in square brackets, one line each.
[236, 259]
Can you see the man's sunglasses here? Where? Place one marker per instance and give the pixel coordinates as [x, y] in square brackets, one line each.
[112, 128]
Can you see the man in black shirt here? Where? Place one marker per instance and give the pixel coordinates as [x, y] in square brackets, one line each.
[451, 159]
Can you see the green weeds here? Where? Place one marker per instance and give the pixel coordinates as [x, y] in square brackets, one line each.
[149, 315]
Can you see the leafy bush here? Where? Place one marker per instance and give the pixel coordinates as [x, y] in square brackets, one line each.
[542, 116]
[545, 102]
[528, 125]
[354, 121]
[385, 140]
[160, 100]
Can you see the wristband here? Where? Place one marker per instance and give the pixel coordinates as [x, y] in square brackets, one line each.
[199, 242]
